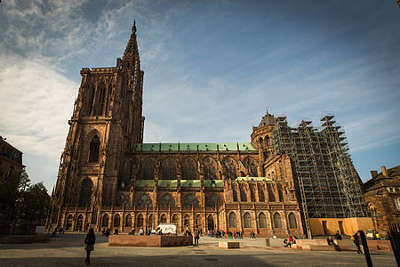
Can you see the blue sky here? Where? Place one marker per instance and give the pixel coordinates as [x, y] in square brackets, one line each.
[211, 70]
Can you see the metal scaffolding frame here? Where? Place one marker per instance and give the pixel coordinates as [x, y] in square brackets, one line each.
[328, 184]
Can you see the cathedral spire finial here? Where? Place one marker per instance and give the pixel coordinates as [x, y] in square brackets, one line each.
[134, 26]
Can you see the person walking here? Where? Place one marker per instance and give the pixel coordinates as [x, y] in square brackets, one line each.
[196, 237]
[356, 241]
[89, 244]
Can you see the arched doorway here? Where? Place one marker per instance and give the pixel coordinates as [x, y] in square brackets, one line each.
[68, 222]
[210, 222]
[79, 223]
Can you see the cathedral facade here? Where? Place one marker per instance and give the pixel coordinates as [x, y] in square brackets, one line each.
[109, 178]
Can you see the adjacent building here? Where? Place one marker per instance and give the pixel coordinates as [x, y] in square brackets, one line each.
[10, 166]
[382, 193]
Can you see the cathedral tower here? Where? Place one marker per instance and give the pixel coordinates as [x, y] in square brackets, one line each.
[107, 120]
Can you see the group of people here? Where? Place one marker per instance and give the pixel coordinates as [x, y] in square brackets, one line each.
[287, 243]
[228, 234]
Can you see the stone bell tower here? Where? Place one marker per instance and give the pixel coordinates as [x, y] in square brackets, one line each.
[107, 120]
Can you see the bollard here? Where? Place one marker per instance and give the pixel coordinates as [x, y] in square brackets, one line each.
[365, 248]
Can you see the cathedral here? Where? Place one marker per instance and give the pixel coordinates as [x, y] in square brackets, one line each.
[285, 181]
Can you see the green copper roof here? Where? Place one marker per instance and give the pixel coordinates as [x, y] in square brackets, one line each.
[193, 147]
[253, 179]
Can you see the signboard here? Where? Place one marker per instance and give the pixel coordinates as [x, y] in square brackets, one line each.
[167, 228]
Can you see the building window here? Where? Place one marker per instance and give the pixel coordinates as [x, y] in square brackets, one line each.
[94, 149]
[128, 220]
[117, 220]
[163, 219]
[168, 169]
[189, 201]
[175, 219]
[210, 169]
[189, 169]
[139, 221]
[262, 220]
[230, 168]
[148, 173]
[252, 194]
[277, 220]
[271, 195]
[247, 220]
[105, 221]
[232, 219]
[167, 201]
[292, 221]
[143, 201]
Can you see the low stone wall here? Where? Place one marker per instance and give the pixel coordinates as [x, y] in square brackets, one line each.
[149, 241]
[274, 242]
[24, 239]
[228, 244]
[379, 245]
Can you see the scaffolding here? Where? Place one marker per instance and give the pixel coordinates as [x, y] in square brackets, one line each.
[328, 185]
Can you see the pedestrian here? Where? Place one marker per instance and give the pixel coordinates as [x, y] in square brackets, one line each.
[338, 236]
[356, 241]
[89, 244]
[196, 237]
[290, 241]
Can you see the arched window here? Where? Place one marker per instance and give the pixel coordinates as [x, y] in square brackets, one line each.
[168, 169]
[94, 149]
[189, 201]
[128, 220]
[163, 218]
[243, 195]
[100, 107]
[210, 168]
[148, 169]
[251, 167]
[271, 195]
[139, 220]
[232, 220]
[189, 169]
[252, 194]
[277, 220]
[234, 195]
[175, 219]
[186, 220]
[247, 220]
[210, 222]
[212, 200]
[261, 196]
[85, 194]
[117, 220]
[262, 220]
[79, 223]
[292, 221]
[230, 168]
[69, 221]
[167, 201]
[143, 201]
[280, 194]
[105, 221]
[150, 221]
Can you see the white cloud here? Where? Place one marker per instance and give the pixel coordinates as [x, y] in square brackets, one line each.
[37, 102]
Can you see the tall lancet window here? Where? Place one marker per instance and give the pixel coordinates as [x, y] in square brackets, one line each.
[94, 149]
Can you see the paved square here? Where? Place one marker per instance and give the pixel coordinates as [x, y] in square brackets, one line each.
[67, 250]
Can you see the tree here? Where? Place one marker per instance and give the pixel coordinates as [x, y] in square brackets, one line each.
[11, 193]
